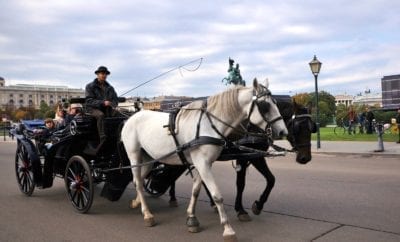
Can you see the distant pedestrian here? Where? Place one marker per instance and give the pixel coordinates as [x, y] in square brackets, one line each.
[369, 117]
[352, 120]
[361, 122]
[398, 124]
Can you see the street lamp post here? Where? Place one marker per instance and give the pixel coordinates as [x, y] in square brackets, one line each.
[315, 66]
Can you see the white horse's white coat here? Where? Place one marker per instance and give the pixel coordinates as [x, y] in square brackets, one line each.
[145, 130]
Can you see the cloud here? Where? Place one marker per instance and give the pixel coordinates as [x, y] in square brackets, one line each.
[64, 41]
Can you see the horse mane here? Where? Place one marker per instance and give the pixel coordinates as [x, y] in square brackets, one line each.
[286, 109]
[225, 104]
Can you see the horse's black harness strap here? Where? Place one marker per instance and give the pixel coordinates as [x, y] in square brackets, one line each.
[171, 128]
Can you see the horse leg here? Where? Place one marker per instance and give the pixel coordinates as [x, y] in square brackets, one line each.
[212, 203]
[240, 183]
[145, 170]
[204, 169]
[191, 221]
[138, 181]
[261, 165]
[172, 198]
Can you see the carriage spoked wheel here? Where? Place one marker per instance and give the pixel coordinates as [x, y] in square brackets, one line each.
[79, 183]
[24, 171]
[148, 188]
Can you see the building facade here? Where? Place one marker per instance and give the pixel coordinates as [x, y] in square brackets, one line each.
[391, 92]
[345, 99]
[369, 99]
[29, 95]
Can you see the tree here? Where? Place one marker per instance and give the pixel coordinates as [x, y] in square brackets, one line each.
[43, 109]
[303, 99]
[20, 114]
[326, 105]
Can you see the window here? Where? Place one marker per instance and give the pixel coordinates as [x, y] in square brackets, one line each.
[21, 101]
[11, 95]
[21, 95]
[30, 96]
[42, 96]
[51, 96]
[30, 102]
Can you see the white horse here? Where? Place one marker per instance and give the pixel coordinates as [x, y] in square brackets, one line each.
[144, 135]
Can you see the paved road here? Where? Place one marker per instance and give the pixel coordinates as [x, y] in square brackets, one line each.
[333, 198]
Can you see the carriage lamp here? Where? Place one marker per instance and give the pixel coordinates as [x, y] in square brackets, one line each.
[315, 66]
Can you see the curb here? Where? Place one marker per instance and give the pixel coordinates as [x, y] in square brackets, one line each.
[365, 154]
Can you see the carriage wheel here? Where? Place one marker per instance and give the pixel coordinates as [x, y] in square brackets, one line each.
[79, 183]
[149, 190]
[24, 171]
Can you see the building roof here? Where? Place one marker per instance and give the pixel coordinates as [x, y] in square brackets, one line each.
[390, 77]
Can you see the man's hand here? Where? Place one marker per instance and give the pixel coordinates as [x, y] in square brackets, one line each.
[107, 103]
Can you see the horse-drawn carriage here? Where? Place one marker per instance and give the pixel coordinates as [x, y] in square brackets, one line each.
[70, 153]
[148, 138]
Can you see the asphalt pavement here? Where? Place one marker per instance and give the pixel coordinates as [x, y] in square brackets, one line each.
[323, 201]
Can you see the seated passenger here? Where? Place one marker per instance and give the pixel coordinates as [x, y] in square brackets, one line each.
[60, 117]
[42, 136]
[74, 109]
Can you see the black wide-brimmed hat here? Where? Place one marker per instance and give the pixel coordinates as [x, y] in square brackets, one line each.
[102, 69]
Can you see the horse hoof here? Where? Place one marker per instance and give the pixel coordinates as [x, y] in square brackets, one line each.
[173, 203]
[193, 229]
[255, 210]
[149, 222]
[193, 225]
[230, 238]
[244, 217]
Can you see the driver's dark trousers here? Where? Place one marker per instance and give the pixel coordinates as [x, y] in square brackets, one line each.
[99, 115]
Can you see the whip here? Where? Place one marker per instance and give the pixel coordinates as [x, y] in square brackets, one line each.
[200, 60]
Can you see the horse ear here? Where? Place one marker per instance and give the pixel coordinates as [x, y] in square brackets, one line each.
[255, 83]
[266, 82]
[295, 105]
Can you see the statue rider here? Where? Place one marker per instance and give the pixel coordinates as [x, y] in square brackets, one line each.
[234, 76]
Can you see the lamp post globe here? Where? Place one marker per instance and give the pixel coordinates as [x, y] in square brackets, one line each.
[315, 66]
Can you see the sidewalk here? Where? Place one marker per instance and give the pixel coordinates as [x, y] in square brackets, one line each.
[391, 149]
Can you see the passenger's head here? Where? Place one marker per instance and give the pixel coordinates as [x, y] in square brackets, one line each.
[49, 123]
[75, 108]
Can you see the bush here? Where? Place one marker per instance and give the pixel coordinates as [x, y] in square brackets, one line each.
[384, 116]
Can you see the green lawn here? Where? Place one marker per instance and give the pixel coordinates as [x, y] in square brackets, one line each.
[328, 135]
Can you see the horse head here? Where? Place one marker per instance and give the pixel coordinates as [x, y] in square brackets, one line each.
[263, 111]
[300, 127]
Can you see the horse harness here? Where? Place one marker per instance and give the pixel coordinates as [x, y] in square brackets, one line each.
[262, 106]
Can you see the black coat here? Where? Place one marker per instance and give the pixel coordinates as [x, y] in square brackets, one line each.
[95, 95]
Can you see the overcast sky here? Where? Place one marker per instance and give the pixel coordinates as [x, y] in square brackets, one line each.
[62, 42]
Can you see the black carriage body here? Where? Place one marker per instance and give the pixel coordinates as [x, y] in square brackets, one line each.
[80, 138]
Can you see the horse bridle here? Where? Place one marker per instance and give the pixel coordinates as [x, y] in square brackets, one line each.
[263, 107]
[300, 118]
